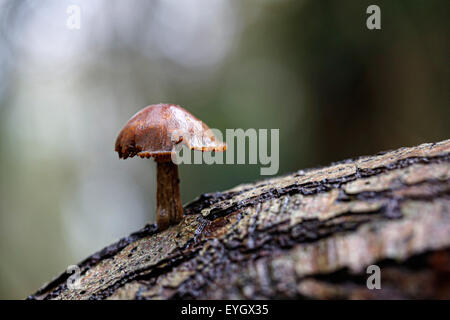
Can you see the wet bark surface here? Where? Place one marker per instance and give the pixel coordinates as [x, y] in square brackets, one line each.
[311, 234]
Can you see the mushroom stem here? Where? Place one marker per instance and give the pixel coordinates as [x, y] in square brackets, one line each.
[169, 209]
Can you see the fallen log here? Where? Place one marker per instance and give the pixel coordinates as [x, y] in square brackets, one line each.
[310, 234]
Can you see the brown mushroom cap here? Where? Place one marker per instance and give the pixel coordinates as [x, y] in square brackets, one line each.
[156, 129]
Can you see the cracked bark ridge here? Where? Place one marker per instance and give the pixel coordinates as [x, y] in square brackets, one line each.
[310, 234]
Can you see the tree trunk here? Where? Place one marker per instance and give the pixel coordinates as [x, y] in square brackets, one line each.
[311, 234]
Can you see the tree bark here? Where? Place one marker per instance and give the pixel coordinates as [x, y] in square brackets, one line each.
[310, 234]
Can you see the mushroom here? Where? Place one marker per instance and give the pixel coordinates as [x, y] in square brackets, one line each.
[154, 132]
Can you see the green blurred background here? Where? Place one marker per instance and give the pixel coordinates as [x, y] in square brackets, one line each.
[310, 68]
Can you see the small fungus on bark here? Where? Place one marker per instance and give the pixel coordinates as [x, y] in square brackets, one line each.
[154, 132]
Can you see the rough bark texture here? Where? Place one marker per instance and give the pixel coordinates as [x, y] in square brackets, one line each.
[310, 234]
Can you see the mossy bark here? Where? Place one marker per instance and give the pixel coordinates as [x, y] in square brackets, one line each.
[311, 234]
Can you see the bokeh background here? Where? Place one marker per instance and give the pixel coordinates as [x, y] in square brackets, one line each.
[310, 68]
